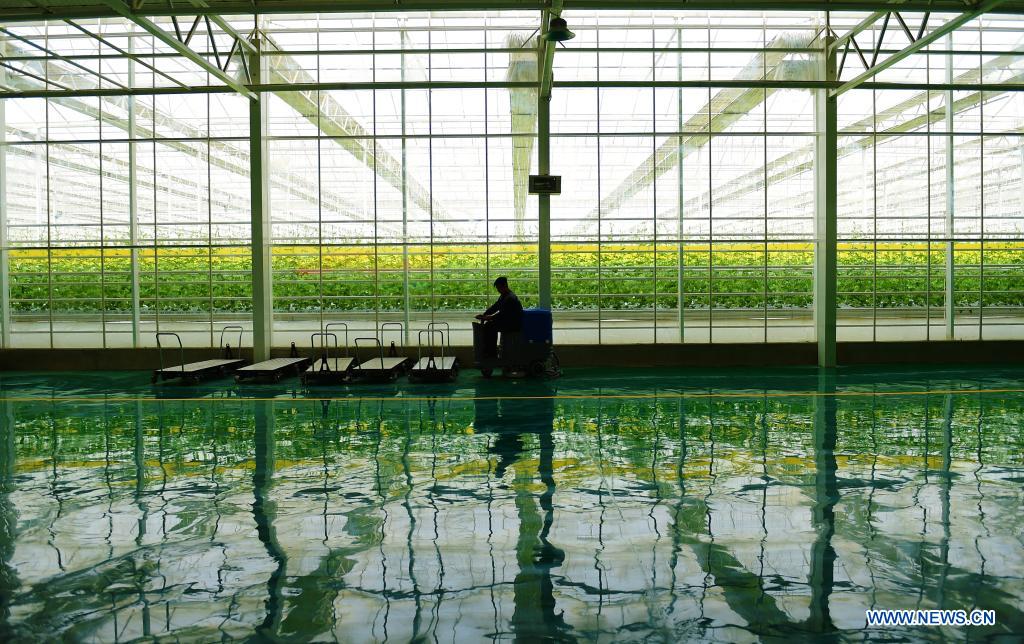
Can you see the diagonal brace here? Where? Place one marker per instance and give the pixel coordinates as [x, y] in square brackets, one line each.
[918, 45]
[124, 10]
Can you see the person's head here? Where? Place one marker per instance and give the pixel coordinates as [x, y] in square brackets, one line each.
[501, 284]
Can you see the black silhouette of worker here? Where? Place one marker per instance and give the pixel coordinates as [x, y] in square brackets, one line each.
[505, 315]
[512, 420]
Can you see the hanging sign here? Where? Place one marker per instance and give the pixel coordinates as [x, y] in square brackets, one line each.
[545, 184]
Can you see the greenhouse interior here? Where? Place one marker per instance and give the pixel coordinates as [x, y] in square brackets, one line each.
[511, 320]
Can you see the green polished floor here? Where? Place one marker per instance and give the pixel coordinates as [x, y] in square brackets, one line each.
[628, 505]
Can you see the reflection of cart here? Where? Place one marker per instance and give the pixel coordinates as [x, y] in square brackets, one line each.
[529, 351]
[432, 367]
[382, 367]
[329, 368]
[193, 372]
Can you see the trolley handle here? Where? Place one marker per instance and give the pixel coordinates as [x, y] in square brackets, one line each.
[226, 349]
[447, 333]
[401, 332]
[380, 350]
[325, 348]
[431, 363]
[327, 328]
[160, 348]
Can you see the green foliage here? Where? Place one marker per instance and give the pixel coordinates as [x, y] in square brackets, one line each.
[457, 278]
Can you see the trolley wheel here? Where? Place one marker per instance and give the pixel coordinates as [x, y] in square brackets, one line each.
[277, 376]
[393, 376]
[486, 372]
[536, 368]
[453, 375]
[554, 366]
[153, 379]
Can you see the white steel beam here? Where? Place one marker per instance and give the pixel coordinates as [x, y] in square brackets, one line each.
[546, 50]
[262, 291]
[150, 27]
[825, 216]
[949, 309]
[133, 204]
[852, 33]
[5, 281]
[918, 45]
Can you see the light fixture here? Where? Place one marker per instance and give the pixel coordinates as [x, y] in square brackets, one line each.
[558, 31]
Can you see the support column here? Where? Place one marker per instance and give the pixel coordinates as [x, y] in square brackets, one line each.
[133, 201]
[407, 302]
[680, 284]
[948, 300]
[826, 229]
[544, 214]
[545, 60]
[5, 278]
[262, 293]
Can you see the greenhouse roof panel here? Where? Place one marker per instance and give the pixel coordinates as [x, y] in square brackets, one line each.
[61, 9]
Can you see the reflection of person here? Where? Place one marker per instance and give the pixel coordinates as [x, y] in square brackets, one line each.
[506, 314]
[512, 420]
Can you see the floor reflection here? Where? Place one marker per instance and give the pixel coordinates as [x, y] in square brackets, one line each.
[512, 422]
[559, 515]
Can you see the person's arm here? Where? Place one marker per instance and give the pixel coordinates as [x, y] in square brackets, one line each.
[490, 313]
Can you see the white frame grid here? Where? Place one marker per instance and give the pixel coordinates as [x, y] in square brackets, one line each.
[110, 63]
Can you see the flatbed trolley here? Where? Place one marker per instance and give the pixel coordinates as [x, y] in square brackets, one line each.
[431, 367]
[383, 367]
[275, 369]
[193, 372]
[328, 369]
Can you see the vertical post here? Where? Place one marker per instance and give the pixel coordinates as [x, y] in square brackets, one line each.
[407, 303]
[544, 222]
[133, 199]
[262, 293]
[5, 276]
[546, 50]
[680, 284]
[950, 310]
[826, 229]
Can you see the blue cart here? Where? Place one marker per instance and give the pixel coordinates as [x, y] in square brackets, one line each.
[529, 351]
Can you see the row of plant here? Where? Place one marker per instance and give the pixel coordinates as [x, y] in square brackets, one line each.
[623, 277]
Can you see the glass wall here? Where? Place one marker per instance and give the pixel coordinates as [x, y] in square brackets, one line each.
[105, 192]
[687, 213]
[931, 191]
[400, 205]
[397, 176]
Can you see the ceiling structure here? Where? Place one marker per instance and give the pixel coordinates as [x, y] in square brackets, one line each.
[36, 10]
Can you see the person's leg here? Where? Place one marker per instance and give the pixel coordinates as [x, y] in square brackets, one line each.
[490, 341]
[479, 342]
